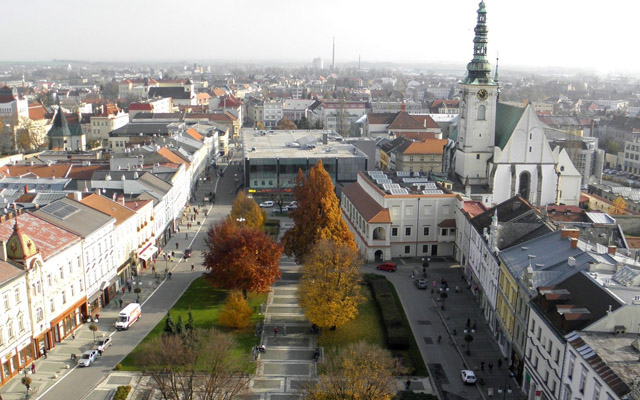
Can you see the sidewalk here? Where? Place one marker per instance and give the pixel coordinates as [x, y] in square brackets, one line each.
[458, 309]
[58, 362]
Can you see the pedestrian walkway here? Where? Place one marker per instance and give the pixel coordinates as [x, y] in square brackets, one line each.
[461, 313]
[289, 360]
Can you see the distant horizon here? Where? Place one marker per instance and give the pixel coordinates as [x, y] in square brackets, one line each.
[552, 34]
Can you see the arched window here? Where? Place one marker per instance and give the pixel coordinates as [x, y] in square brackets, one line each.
[481, 113]
[379, 233]
[523, 186]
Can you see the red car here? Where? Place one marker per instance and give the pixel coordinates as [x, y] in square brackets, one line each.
[391, 267]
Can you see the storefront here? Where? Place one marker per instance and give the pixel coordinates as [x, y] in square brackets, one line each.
[15, 359]
[146, 255]
[94, 303]
[67, 322]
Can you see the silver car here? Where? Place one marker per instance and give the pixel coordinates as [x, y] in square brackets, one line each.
[88, 357]
[103, 344]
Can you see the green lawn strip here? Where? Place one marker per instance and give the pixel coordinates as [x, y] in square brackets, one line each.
[205, 303]
[367, 327]
[414, 350]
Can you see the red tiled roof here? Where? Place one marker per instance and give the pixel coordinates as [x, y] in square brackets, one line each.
[473, 208]
[109, 207]
[370, 210]
[172, 157]
[218, 92]
[48, 238]
[381, 118]
[417, 136]
[404, 121]
[84, 172]
[140, 107]
[137, 204]
[431, 146]
[194, 134]
[37, 111]
[41, 171]
[447, 223]
[426, 121]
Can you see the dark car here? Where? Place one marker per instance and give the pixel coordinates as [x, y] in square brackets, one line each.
[391, 267]
[421, 284]
[188, 253]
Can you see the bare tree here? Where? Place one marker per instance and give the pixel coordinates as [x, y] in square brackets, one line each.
[197, 366]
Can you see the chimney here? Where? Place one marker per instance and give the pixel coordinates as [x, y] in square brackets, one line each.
[612, 250]
[574, 243]
[26, 189]
[77, 196]
[403, 107]
[424, 122]
[570, 233]
[3, 250]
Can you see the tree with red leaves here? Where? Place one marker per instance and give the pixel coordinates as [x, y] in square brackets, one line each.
[241, 257]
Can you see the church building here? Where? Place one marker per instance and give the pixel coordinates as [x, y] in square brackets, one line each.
[499, 150]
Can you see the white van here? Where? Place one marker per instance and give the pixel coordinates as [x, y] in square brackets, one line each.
[128, 316]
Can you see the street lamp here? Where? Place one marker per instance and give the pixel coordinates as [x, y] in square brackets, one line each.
[504, 390]
[240, 220]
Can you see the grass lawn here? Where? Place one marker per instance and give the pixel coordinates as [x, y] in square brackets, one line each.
[205, 303]
[366, 327]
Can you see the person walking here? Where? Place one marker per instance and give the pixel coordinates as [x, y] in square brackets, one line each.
[490, 366]
[499, 363]
[44, 353]
[275, 331]
[33, 368]
[192, 267]
[482, 366]
[408, 384]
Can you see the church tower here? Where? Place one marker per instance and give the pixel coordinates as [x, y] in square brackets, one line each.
[477, 119]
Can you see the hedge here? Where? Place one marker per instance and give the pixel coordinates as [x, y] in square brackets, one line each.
[122, 392]
[397, 334]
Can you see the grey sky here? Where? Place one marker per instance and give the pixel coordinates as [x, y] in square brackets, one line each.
[569, 33]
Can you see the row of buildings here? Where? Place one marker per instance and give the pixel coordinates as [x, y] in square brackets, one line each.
[75, 232]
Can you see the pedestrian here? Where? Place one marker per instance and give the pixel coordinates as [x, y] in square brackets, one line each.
[173, 253]
[499, 363]
[439, 338]
[192, 267]
[408, 384]
[100, 351]
[129, 287]
[482, 366]
[154, 267]
[468, 323]
[474, 324]
[284, 330]
[33, 368]
[490, 366]
[412, 274]
[44, 353]
[123, 289]
[121, 302]
[275, 331]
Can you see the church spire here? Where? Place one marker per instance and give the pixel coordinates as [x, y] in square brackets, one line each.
[479, 69]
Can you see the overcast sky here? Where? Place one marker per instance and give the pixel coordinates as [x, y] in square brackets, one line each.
[567, 33]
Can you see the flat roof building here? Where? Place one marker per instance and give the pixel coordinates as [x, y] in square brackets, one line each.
[272, 159]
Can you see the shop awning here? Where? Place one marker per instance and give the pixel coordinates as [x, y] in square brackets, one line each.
[148, 253]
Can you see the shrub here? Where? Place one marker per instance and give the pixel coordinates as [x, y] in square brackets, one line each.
[118, 367]
[236, 311]
[122, 392]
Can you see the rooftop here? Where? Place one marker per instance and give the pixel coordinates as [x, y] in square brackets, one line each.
[403, 183]
[300, 144]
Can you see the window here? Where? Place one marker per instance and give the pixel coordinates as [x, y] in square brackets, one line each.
[73, 292]
[21, 322]
[567, 393]
[61, 273]
[583, 379]
[10, 330]
[443, 231]
[533, 325]
[477, 156]
[425, 230]
[17, 295]
[5, 301]
[407, 231]
[572, 360]
[596, 390]
[557, 358]
[407, 249]
[1, 337]
[539, 333]
[52, 305]
[64, 297]
[394, 231]
[425, 248]
[482, 111]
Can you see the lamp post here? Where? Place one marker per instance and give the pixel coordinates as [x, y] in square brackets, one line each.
[504, 389]
[240, 220]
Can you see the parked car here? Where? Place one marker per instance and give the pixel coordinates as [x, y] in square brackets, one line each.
[292, 206]
[88, 357]
[188, 252]
[267, 204]
[421, 284]
[103, 344]
[391, 267]
[468, 376]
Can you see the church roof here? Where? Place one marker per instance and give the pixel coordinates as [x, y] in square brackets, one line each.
[507, 118]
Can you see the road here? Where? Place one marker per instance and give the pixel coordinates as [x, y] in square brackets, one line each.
[79, 383]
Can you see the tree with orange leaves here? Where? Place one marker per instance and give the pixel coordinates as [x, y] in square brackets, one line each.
[240, 257]
[318, 215]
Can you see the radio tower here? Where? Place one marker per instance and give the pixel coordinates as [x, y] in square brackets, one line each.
[333, 60]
